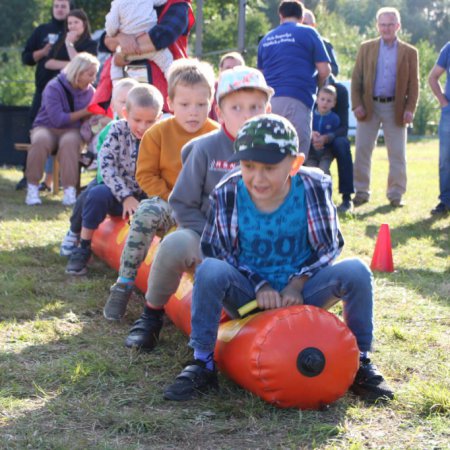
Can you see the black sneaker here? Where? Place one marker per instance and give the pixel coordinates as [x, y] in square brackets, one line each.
[21, 185]
[43, 187]
[78, 260]
[440, 209]
[345, 206]
[144, 334]
[369, 384]
[195, 379]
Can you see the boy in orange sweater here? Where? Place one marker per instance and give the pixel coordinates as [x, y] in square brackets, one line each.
[190, 91]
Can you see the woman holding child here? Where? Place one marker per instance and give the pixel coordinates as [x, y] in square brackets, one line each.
[57, 126]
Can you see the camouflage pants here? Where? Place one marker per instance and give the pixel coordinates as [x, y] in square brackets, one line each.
[153, 216]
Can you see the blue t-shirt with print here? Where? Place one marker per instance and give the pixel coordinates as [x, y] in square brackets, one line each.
[287, 56]
[274, 245]
[444, 62]
[325, 123]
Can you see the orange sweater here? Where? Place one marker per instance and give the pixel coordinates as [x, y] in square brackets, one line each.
[159, 159]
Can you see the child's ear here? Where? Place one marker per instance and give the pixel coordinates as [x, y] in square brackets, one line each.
[268, 108]
[218, 114]
[169, 104]
[124, 112]
[297, 163]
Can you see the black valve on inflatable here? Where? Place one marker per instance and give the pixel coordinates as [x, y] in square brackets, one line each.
[310, 362]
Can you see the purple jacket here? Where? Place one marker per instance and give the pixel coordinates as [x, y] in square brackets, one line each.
[55, 109]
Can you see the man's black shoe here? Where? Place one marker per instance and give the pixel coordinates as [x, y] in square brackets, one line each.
[441, 209]
[21, 185]
[195, 379]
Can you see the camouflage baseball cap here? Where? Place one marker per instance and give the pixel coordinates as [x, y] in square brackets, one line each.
[267, 138]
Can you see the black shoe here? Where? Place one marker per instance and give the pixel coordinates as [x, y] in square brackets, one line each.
[369, 384]
[78, 260]
[441, 209]
[398, 203]
[195, 379]
[345, 206]
[359, 200]
[43, 187]
[21, 185]
[144, 334]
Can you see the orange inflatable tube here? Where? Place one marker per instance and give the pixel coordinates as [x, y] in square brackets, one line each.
[300, 356]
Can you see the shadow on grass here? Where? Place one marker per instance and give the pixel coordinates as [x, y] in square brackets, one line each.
[87, 391]
[400, 235]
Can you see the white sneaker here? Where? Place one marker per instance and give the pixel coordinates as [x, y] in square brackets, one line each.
[32, 197]
[69, 243]
[70, 196]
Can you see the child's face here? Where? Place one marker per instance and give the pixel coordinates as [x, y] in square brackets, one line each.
[325, 102]
[190, 106]
[240, 106]
[140, 119]
[267, 184]
[229, 63]
[119, 101]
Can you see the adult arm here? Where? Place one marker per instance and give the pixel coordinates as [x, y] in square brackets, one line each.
[435, 85]
[33, 52]
[323, 72]
[357, 87]
[166, 32]
[112, 20]
[332, 54]
[413, 87]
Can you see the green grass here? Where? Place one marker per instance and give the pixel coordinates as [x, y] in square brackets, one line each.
[67, 381]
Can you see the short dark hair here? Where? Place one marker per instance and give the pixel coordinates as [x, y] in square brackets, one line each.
[291, 8]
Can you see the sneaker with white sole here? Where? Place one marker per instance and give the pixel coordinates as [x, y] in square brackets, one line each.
[69, 243]
[70, 196]
[32, 197]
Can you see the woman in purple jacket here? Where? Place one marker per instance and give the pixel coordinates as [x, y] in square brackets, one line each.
[56, 128]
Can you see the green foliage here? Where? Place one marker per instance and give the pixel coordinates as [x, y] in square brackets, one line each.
[16, 80]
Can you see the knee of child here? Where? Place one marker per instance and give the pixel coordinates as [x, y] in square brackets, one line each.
[179, 250]
[211, 272]
[357, 270]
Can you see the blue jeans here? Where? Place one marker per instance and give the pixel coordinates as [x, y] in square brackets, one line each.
[340, 148]
[99, 202]
[218, 284]
[444, 156]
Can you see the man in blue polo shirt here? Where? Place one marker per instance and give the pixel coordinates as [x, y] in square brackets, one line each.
[295, 62]
[441, 67]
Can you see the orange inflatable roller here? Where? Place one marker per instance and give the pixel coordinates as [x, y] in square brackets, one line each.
[300, 356]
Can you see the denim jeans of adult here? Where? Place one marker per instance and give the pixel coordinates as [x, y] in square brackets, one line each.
[340, 148]
[218, 284]
[444, 156]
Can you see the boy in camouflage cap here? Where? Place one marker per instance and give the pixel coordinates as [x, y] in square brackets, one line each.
[273, 234]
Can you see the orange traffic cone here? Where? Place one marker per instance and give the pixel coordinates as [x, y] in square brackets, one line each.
[382, 256]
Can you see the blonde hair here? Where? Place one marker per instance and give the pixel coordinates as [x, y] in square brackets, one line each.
[389, 10]
[123, 83]
[82, 62]
[232, 55]
[329, 89]
[189, 72]
[145, 96]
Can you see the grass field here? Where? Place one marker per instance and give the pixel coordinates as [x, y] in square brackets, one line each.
[67, 381]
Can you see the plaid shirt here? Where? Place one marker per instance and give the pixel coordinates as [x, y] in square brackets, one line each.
[220, 236]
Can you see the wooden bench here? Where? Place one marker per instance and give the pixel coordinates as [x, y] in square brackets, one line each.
[23, 147]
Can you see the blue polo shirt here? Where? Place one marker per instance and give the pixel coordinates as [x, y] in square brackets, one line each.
[287, 56]
[444, 62]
